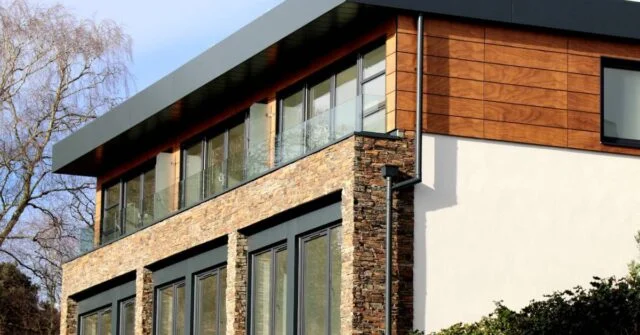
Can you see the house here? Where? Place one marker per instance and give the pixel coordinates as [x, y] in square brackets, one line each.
[243, 193]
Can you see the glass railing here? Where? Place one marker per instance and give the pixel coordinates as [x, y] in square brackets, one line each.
[292, 143]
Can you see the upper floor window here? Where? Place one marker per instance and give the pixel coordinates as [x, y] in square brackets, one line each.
[138, 199]
[225, 158]
[332, 106]
[620, 102]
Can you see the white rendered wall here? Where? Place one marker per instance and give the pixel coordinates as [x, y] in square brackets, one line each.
[502, 221]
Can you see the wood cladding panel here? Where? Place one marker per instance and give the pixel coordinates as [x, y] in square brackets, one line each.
[583, 102]
[525, 95]
[536, 59]
[453, 87]
[584, 121]
[540, 116]
[454, 30]
[449, 48]
[455, 68]
[583, 83]
[526, 39]
[588, 140]
[453, 125]
[584, 65]
[523, 76]
[525, 133]
[437, 104]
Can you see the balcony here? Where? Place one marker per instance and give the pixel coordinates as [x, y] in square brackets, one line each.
[256, 160]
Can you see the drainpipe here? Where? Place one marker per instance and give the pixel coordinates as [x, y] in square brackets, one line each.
[389, 172]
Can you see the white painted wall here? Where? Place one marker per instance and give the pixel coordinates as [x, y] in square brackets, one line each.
[501, 221]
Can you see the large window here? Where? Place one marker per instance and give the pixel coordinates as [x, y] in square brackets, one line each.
[269, 292]
[210, 311]
[222, 159]
[137, 199]
[170, 309]
[190, 294]
[296, 276]
[620, 102]
[97, 323]
[110, 312]
[334, 105]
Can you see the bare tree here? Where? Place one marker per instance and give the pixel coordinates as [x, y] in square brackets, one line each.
[57, 72]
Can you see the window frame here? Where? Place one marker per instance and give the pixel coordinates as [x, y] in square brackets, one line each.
[158, 309]
[621, 64]
[286, 234]
[221, 299]
[203, 139]
[123, 289]
[330, 73]
[273, 251]
[323, 232]
[122, 316]
[99, 312]
[122, 181]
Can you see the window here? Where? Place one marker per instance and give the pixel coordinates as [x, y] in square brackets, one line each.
[222, 160]
[320, 264]
[138, 199]
[333, 106]
[127, 317]
[170, 309]
[620, 102]
[269, 292]
[210, 312]
[97, 323]
[295, 277]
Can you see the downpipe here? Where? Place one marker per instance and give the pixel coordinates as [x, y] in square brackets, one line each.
[389, 172]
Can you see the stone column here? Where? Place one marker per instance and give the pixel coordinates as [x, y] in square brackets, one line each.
[144, 302]
[236, 296]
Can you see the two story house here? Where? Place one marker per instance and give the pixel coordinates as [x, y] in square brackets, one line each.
[244, 193]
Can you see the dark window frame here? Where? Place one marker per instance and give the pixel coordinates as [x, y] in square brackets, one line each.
[122, 321]
[107, 298]
[99, 312]
[622, 64]
[158, 306]
[203, 139]
[330, 73]
[137, 172]
[287, 234]
[323, 232]
[197, 280]
[273, 251]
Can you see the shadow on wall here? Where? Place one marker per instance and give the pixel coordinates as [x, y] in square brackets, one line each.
[437, 191]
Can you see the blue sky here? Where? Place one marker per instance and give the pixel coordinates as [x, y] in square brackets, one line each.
[168, 33]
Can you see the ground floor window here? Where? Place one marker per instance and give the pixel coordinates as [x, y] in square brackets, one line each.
[270, 294]
[97, 323]
[170, 309]
[109, 311]
[210, 309]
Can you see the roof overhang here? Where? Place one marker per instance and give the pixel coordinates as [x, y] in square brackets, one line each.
[262, 48]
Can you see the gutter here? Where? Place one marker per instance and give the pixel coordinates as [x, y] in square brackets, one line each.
[389, 172]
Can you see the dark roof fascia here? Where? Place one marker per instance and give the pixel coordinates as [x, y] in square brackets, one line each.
[253, 38]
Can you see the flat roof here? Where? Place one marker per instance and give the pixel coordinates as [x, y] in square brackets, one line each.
[256, 50]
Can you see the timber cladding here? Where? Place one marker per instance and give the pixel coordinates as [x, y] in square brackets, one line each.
[503, 83]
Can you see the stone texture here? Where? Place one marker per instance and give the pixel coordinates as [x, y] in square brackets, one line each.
[236, 295]
[144, 302]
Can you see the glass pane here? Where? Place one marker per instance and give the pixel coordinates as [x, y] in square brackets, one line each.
[258, 161]
[207, 305]
[622, 104]
[105, 323]
[374, 62]
[128, 313]
[165, 197]
[110, 224]
[215, 165]
[315, 286]
[180, 301]
[165, 319]
[261, 293]
[346, 93]
[336, 279]
[89, 324]
[112, 196]
[148, 197]
[132, 210]
[373, 94]
[280, 293]
[236, 155]
[193, 174]
[292, 126]
[223, 301]
[376, 123]
[318, 115]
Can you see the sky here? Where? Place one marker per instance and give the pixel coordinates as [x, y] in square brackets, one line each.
[168, 33]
